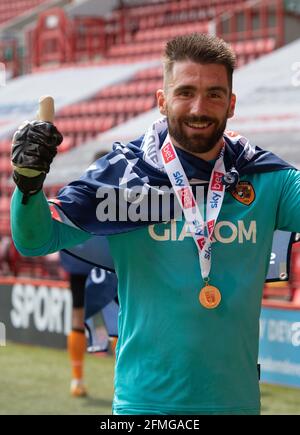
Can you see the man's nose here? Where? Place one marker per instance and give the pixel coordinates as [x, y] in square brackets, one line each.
[198, 106]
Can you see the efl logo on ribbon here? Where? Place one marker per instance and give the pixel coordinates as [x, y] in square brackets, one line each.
[201, 243]
[168, 153]
[217, 181]
[186, 197]
[210, 226]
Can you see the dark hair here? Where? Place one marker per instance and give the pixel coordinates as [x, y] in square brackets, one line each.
[199, 48]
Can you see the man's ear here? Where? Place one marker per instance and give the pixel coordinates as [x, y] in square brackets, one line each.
[232, 106]
[161, 101]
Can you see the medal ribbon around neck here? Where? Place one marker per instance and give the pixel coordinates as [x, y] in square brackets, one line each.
[202, 231]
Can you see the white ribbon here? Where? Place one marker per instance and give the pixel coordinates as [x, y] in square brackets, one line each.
[202, 231]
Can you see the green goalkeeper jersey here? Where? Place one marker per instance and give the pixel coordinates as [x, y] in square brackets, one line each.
[174, 356]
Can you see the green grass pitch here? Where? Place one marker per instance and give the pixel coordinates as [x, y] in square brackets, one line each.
[36, 380]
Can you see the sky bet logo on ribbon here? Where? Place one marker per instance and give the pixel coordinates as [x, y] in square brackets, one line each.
[168, 153]
[178, 178]
[207, 253]
[199, 229]
[187, 200]
[215, 199]
[217, 181]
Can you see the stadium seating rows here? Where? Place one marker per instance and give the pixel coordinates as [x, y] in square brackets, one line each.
[168, 32]
[155, 15]
[109, 107]
[246, 48]
[11, 9]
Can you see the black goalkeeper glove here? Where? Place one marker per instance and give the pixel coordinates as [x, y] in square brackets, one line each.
[33, 149]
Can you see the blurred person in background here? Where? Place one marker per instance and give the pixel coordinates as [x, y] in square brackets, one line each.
[93, 290]
[78, 272]
[77, 343]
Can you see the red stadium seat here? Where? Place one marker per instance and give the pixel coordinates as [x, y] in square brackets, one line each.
[5, 166]
[10, 10]
[296, 297]
[66, 145]
[4, 205]
[5, 147]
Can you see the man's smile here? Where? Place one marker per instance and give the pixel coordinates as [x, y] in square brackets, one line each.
[199, 125]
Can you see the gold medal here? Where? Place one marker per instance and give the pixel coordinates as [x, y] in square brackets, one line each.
[209, 296]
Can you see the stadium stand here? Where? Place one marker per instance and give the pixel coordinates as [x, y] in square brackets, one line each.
[10, 10]
[14, 18]
[65, 37]
[141, 31]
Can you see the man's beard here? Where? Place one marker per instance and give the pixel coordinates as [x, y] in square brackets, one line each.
[197, 143]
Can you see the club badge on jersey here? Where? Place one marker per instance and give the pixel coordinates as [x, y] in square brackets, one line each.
[244, 192]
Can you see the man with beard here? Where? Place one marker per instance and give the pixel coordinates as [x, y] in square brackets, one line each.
[189, 289]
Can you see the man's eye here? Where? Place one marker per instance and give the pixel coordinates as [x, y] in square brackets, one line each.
[185, 93]
[214, 95]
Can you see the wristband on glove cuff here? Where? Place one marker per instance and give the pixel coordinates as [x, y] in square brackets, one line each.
[29, 185]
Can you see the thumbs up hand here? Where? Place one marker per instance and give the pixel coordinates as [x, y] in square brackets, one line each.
[33, 148]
